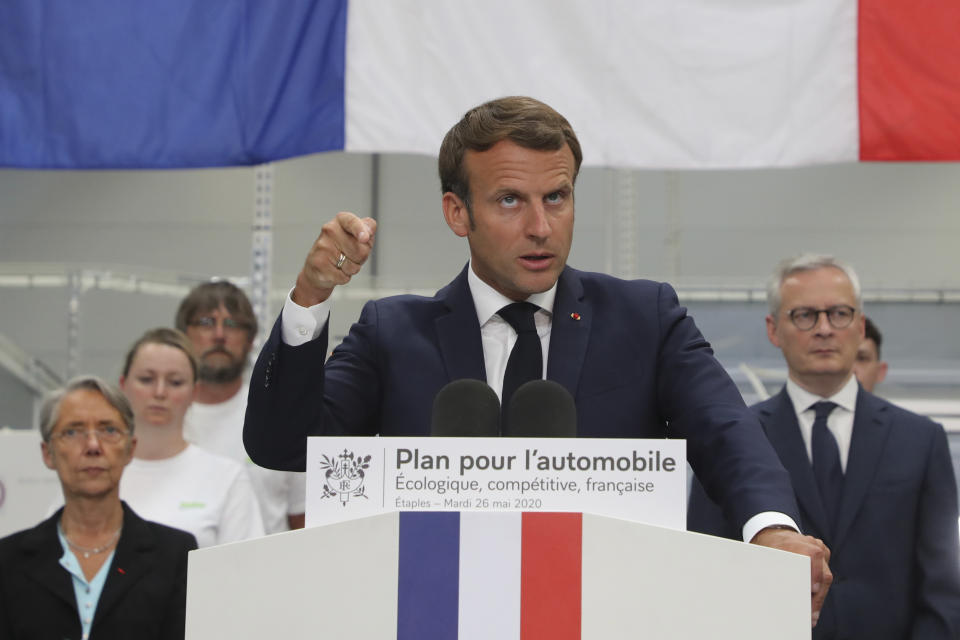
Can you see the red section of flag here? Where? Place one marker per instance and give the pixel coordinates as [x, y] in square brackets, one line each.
[550, 576]
[909, 79]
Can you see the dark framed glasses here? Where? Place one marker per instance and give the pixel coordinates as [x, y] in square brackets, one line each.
[839, 316]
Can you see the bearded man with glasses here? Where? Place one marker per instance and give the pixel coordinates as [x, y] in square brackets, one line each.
[873, 481]
[218, 319]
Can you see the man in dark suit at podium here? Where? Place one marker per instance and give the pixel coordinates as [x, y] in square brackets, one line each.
[627, 352]
[874, 481]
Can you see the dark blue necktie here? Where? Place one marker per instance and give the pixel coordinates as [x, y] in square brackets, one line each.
[526, 358]
[826, 463]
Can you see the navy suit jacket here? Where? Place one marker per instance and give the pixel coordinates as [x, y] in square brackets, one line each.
[627, 352]
[144, 596]
[894, 555]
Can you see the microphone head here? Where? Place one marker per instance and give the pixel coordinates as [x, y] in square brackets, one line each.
[466, 408]
[541, 409]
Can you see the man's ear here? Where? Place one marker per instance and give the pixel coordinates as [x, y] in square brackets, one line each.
[455, 213]
[772, 331]
[881, 373]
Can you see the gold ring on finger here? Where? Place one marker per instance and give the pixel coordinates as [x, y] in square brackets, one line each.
[341, 260]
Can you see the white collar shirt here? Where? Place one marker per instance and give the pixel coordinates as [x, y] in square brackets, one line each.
[496, 334]
[840, 420]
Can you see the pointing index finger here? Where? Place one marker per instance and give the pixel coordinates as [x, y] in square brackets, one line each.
[360, 228]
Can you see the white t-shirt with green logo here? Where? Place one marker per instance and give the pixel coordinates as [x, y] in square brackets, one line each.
[197, 491]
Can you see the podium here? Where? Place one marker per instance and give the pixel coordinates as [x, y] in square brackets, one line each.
[411, 575]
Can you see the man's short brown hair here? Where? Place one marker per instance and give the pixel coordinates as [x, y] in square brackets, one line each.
[209, 296]
[525, 121]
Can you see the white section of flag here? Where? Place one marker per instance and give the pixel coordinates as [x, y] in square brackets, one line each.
[645, 83]
[490, 547]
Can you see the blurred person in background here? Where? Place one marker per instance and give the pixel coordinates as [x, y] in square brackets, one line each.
[218, 319]
[169, 479]
[869, 369]
[95, 569]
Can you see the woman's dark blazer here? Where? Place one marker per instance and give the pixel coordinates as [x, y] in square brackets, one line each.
[144, 596]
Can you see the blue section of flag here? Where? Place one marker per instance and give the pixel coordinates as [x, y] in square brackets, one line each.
[179, 83]
[429, 576]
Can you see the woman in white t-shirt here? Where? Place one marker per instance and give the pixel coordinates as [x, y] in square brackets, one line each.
[170, 481]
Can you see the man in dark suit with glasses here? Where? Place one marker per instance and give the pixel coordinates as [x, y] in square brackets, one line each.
[873, 481]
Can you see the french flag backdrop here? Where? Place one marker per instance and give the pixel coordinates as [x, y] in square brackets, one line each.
[646, 83]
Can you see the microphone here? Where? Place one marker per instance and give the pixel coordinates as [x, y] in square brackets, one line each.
[541, 409]
[466, 408]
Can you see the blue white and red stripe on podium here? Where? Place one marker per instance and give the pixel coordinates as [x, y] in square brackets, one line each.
[481, 575]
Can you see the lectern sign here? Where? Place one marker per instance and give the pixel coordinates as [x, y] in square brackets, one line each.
[639, 480]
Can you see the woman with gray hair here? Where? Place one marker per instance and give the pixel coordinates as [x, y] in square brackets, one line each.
[95, 569]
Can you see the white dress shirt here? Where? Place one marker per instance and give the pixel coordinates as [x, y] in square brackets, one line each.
[496, 333]
[840, 420]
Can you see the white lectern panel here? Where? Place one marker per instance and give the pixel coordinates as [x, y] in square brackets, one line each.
[636, 580]
[679, 586]
[338, 581]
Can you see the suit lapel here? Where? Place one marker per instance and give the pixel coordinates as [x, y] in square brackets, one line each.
[458, 332]
[570, 331]
[871, 426]
[44, 546]
[132, 561]
[780, 423]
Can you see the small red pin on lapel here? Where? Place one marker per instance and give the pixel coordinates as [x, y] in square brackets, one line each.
[121, 571]
[575, 315]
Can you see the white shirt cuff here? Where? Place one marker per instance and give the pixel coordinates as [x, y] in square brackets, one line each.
[766, 519]
[299, 325]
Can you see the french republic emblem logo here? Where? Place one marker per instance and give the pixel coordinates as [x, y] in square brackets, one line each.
[344, 476]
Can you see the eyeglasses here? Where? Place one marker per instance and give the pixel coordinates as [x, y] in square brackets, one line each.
[104, 433]
[805, 318]
[209, 323]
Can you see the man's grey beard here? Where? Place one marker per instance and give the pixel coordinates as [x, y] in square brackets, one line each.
[222, 374]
